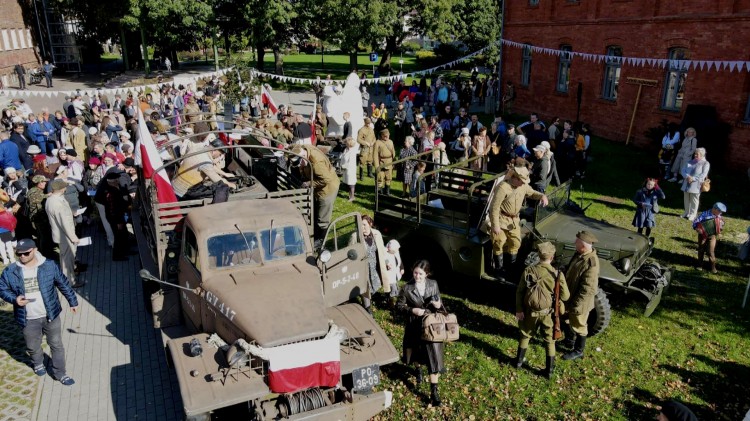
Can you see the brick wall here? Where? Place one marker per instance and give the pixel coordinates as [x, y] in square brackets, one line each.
[16, 42]
[718, 30]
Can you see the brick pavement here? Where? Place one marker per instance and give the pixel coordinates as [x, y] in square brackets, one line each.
[112, 350]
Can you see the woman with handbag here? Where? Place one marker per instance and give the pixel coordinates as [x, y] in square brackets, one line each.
[695, 175]
[417, 297]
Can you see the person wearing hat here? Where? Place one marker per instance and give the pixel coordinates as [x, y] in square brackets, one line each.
[583, 281]
[31, 285]
[709, 225]
[540, 169]
[63, 227]
[528, 312]
[366, 140]
[506, 205]
[324, 180]
[383, 153]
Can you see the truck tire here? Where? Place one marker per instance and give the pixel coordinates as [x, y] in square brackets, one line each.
[600, 314]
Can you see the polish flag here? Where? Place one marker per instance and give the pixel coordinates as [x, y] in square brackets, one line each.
[265, 97]
[303, 365]
[147, 156]
[312, 123]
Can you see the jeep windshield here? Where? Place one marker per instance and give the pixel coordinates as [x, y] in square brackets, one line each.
[235, 249]
[558, 198]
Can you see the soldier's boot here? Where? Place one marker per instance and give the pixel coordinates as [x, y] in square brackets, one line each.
[434, 395]
[509, 261]
[497, 262]
[369, 170]
[520, 357]
[419, 379]
[361, 170]
[387, 190]
[577, 351]
[549, 368]
[570, 336]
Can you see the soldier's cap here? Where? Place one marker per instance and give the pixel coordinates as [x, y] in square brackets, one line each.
[38, 179]
[720, 206]
[546, 249]
[367, 120]
[586, 237]
[58, 184]
[385, 131]
[25, 245]
[521, 173]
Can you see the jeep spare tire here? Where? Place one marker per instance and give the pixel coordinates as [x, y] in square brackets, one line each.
[600, 314]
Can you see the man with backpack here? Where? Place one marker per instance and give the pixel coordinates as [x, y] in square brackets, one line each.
[535, 304]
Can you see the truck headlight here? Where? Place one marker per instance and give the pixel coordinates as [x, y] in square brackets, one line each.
[625, 265]
[325, 256]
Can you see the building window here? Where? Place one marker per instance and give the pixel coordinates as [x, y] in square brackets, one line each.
[674, 84]
[612, 67]
[526, 65]
[533, 2]
[563, 70]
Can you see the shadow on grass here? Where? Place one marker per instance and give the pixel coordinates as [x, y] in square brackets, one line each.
[725, 390]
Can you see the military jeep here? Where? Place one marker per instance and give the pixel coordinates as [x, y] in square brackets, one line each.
[447, 225]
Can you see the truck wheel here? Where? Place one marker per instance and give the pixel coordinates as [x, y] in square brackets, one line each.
[600, 314]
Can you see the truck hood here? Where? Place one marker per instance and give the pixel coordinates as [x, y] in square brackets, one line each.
[284, 304]
[563, 227]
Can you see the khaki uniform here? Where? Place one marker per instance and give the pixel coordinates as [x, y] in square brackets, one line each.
[544, 273]
[325, 181]
[366, 140]
[383, 154]
[583, 281]
[504, 209]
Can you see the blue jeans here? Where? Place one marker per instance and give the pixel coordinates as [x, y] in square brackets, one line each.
[33, 332]
[46, 147]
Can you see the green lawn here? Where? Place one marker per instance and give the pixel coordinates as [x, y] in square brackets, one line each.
[694, 348]
[333, 63]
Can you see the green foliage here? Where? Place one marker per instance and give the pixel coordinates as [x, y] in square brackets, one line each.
[411, 46]
[426, 58]
[447, 52]
[239, 82]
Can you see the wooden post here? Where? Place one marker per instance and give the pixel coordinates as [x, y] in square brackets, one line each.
[640, 82]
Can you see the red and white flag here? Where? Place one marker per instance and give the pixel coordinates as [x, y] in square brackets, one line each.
[303, 365]
[312, 123]
[265, 97]
[147, 156]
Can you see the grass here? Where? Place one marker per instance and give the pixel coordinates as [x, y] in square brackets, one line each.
[694, 348]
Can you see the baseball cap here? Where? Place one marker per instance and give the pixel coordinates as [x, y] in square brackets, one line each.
[25, 245]
[59, 185]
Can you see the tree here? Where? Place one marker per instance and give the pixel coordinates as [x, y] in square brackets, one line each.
[271, 26]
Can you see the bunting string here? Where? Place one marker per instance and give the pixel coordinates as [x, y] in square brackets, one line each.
[662, 63]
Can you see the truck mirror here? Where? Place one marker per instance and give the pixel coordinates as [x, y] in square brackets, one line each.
[352, 254]
[146, 275]
[325, 256]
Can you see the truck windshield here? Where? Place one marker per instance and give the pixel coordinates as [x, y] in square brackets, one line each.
[282, 242]
[232, 250]
[558, 198]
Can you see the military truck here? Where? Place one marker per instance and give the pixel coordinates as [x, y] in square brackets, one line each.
[252, 316]
[447, 225]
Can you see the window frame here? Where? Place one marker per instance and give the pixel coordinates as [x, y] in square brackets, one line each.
[674, 79]
[563, 68]
[612, 70]
[192, 258]
[526, 65]
[746, 118]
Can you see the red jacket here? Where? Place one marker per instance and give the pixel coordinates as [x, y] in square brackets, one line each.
[7, 220]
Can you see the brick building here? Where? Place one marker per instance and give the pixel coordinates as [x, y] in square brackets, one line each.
[686, 30]
[16, 42]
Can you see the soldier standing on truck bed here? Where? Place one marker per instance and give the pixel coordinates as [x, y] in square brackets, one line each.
[325, 183]
[383, 154]
[583, 281]
[531, 312]
[505, 208]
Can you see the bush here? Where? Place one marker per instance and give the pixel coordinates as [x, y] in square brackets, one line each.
[425, 57]
[411, 46]
[447, 52]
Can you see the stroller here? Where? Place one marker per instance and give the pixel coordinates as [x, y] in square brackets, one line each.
[35, 76]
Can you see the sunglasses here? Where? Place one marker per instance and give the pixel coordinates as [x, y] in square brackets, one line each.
[23, 253]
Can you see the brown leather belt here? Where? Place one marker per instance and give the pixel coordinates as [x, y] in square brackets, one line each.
[509, 215]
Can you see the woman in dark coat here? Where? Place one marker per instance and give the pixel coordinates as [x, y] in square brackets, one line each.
[646, 201]
[417, 297]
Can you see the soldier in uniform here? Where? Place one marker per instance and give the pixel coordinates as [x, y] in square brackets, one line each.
[583, 282]
[37, 215]
[324, 181]
[383, 154]
[529, 320]
[366, 140]
[504, 211]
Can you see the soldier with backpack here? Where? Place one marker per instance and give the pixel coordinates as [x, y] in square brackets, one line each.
[535, 304]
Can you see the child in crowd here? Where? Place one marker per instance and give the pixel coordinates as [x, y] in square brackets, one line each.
[349, 165]
[394, 267]
[7, 230]
[646, 200]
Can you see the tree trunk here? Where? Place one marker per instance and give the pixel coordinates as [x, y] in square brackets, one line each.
[260, 48]
[353, 61]
[227, 45]
[278, 59]
[391, 45]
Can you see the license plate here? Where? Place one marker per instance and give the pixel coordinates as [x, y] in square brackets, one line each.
[366, 377]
